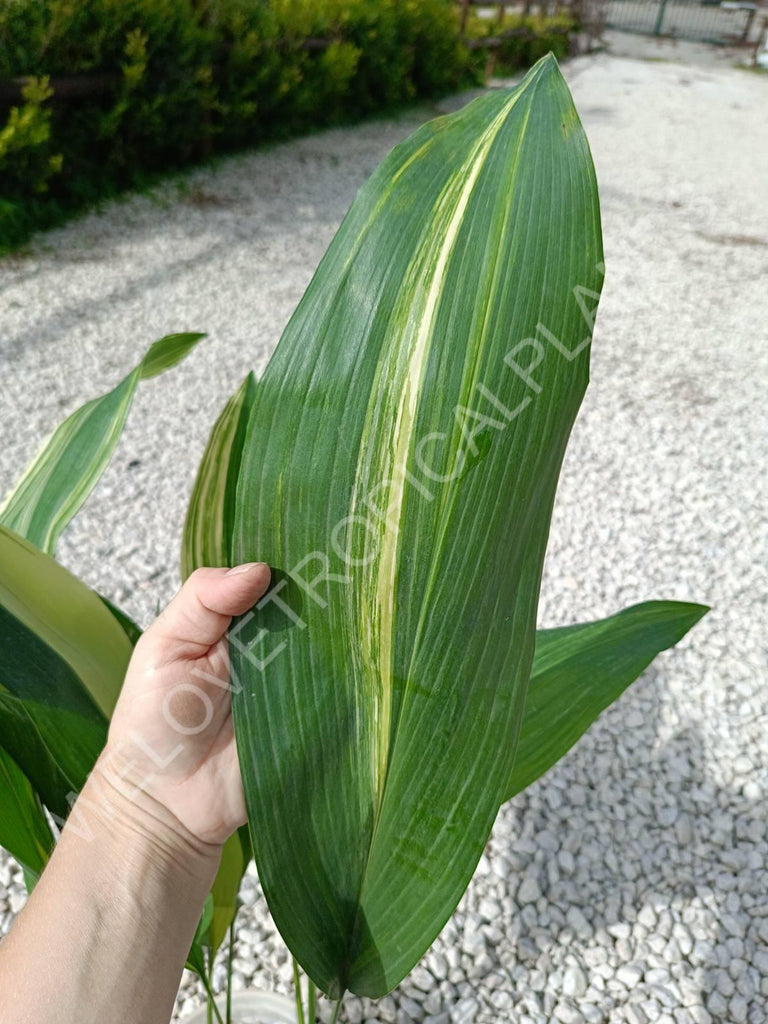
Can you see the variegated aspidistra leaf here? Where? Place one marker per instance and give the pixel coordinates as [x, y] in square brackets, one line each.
[398, 474]
[210, 513]
[578, 671]
[67, 469]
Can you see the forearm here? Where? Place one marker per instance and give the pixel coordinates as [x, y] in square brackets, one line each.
[106, 931]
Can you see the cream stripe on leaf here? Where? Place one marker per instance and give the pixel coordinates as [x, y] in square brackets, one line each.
[207, 536]
[406, 392]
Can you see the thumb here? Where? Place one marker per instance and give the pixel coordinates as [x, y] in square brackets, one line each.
[199, 615]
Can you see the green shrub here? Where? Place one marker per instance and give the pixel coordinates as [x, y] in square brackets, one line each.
[26, 160]
[525, 39]
[169, 82]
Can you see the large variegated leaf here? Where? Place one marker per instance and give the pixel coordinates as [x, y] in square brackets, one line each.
[578, 671]
[398, 473]
[72, 460]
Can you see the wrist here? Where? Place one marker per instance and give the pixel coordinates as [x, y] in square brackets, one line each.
[126, 885]
[118, 811]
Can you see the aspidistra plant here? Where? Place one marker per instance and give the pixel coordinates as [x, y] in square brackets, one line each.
[396, 465]
[397, 468]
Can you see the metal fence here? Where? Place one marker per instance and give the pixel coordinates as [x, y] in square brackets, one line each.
[710, 21]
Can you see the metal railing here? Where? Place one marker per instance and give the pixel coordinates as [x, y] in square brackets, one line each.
[711, 21]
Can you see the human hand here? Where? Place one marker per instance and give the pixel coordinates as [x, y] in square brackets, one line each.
[171, 746]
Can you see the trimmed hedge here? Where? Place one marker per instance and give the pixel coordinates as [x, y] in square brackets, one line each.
[521, 40]
[119, 90]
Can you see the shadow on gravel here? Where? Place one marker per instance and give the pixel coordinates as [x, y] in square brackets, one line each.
[679, 859]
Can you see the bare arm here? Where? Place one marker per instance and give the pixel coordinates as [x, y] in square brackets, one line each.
[104, 936]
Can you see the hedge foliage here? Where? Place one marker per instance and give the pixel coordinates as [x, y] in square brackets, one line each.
[524, 39]
[173, 81]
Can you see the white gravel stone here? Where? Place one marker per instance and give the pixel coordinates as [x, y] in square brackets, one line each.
[574, 982]
[465, 1011]
[738, 1009]
[567, 1014]
[529, 890]
[647, 917]
[17, 899]
[699, 1015]
[629, 975]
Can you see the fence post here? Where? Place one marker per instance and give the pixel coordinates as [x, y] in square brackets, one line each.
[660, 18]
[748, 26]
[464, 13]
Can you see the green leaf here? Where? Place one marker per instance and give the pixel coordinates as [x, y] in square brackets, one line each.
[196, 957]
[31, 878]
[126, 623]
[53, 732]
[226, 886]
[167, 352]
[399, 472]
[211, 510]
[578, 671]
[63, 658]
[72, 460]
[222, 902]
[24, 831]
[66, 615]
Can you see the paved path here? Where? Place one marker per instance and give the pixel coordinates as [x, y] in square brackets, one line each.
[631, 884]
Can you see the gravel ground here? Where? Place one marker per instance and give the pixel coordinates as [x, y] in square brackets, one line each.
[631, 884]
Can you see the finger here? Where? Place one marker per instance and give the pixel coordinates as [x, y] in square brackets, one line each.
[199, 615]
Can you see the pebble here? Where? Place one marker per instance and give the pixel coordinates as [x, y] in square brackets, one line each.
[717, 1005]
[567, 1014]
[437, 964]
[634, 1014]
[738, 1009]
[647, 917]
[17, 899]
[699, 1015]
[465, 1011]
[576, 920]
[574, 982]
[529, 891]
[629, 975]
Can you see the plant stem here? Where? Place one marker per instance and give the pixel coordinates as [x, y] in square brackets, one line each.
[209, 991]
[336, 1009]
[209, 995]
[310, 1001]
[297, 991]
[229, 969]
